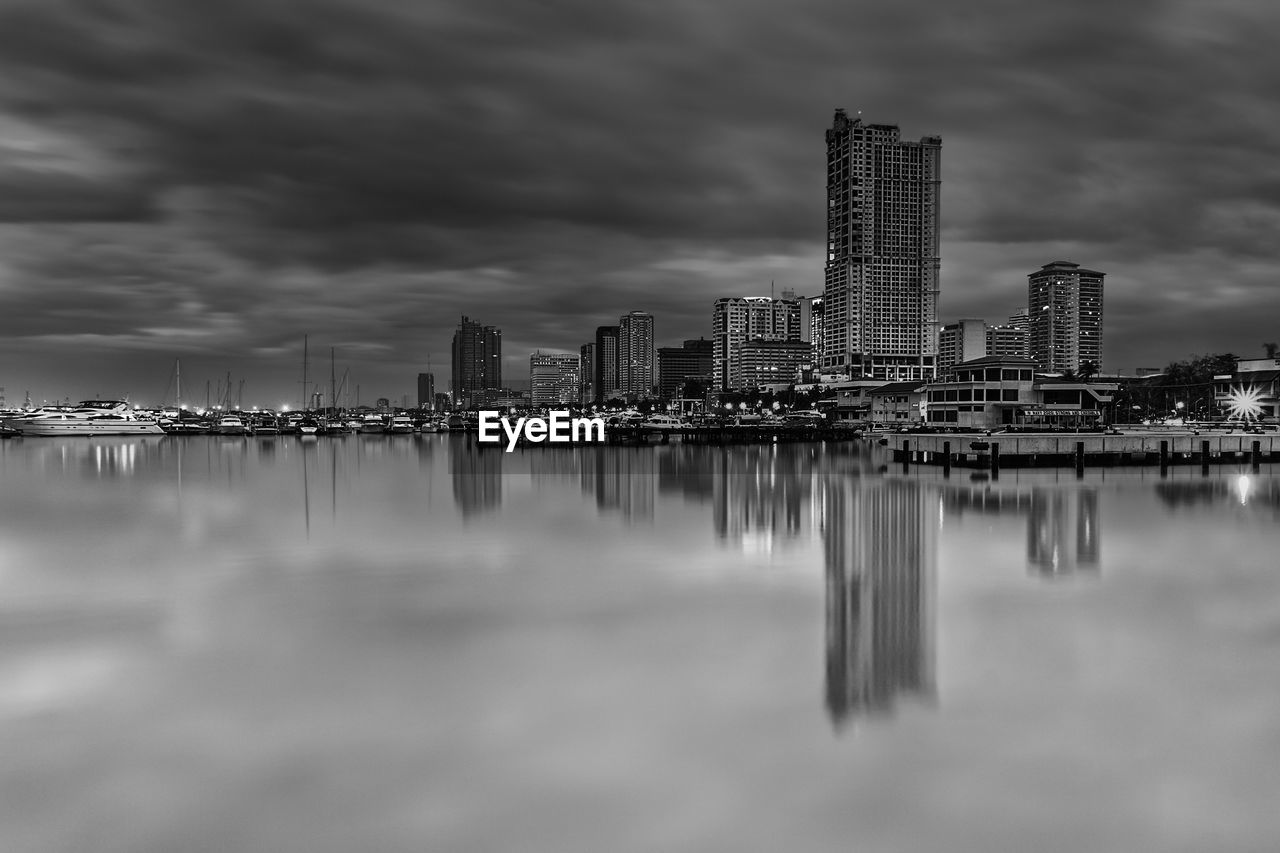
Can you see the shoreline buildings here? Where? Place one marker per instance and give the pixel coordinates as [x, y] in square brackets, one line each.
[604, 374]
[477, 362]
[739, 321]
[636, 354]
[1064, 306]
[554, 378]
[691, 362]
[880, 295]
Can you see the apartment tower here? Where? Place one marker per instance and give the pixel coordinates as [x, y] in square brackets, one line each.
[477, 361]
[1064, 304]
[880, 296]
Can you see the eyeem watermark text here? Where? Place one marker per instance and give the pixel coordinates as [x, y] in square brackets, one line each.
[558, 428]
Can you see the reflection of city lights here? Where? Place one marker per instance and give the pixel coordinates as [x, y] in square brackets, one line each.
[1243, 485]
[1245, 402]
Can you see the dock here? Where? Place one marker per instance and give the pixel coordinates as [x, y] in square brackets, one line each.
[1081, 451]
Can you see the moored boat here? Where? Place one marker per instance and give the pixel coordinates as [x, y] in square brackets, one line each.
[91, 417]
[232, 425]
[400, 425]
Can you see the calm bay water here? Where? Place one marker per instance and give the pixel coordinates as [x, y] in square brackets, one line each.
[404, 643]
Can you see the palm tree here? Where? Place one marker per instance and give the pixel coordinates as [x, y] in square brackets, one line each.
[1270, 349]
[1087, 370]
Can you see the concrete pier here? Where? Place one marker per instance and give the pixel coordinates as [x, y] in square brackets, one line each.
[1085, 450]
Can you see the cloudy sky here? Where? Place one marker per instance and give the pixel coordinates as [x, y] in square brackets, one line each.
[213, 181]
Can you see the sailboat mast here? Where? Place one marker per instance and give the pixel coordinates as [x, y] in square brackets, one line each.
[304, 372]
[177, 372]
[333, 383]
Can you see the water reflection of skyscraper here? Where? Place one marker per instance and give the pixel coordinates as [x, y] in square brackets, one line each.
[1063, 534]
[622, 479]
[477, 477]
[881, 563]
[764, 494]
[1062, 531]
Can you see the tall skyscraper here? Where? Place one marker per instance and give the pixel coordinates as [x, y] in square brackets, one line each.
[554, 378]
[426, 390]
[477, 361]
[605, 372]
[587, 370]
[737, 320]
[1064, 303]
[636, 354]
[812, 317]
[881, 286]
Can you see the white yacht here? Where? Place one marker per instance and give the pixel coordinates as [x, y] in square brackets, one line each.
[400, 425]
[232, 425]
[665, 423]
[90, 417]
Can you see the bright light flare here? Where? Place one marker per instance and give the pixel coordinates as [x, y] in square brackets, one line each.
[1244, 403]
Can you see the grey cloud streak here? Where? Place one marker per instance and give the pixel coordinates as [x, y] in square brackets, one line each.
[249, 172]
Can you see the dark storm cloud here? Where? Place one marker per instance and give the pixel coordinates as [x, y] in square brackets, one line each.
[186, 174]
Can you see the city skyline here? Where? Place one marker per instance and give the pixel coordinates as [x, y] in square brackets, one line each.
[214, 183]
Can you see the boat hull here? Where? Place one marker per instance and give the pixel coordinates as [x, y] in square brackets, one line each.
[120, 428]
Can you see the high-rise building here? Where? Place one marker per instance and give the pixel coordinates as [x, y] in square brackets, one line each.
[587, 370]
[963, 340]
[477, 361]
[605, 367]
[426, 390]
[1019, 319]
[554, 378]
[1008, 342]
[678, 365]
[636, 354]
[811, 325]
[881, 280]
[1064, 303]
[764, 362]
[737, 320]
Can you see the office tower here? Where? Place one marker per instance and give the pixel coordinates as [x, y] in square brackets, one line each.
[1064, 303]
[587, 370]
[736, 320]
[961, 341]
[477, 362]
[554, 378]
[811, 325]
[1007, 342]
[881, 279]
[426, 390]
[762, 362]
[881, 552]
[678, 365]
[605, 372]
[636, 354]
